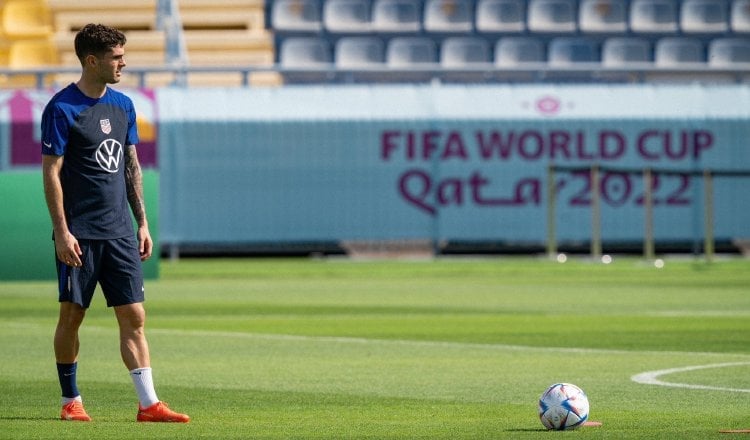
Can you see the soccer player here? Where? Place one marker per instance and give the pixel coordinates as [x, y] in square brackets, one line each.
[91, 174]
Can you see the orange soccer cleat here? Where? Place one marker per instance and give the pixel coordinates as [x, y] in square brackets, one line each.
[160, 412]
[74, 411]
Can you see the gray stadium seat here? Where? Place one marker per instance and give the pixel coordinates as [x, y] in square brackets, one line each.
[304, 52]
[676, 51]
[729, 52]
[740, 16]
[359, 52]
[552, 16]
[296, 15]
[602, 16]
[396, 16]
[500, 16]
[704, 16]
[572, 50]
[346, 15]
[464, 51]
[624, 52]
[410, 51]
[448, 16]
[519, 52]
[653, 16]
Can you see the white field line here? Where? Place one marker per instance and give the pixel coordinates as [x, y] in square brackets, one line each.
[652, 377]
[393, 342]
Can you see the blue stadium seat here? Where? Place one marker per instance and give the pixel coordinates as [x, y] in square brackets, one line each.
[704, 16]
[464, 51]
[448, 16]
[500, 16]
[359, 52]
[608, 16]
[556, 16]
[625, 51]
[396, 16]
[653, 16]
[729, 52]
[405, 52]
[346, 15]
[740, 16]
[296, 15]
[563, 51]
[519, 52]
[677, 51]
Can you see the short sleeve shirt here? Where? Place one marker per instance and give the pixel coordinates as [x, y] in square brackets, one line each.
[92, 135]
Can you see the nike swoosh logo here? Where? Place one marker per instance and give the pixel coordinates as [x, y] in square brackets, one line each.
[47, 144]
[67, 374]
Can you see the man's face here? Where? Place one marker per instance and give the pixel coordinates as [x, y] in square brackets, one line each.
[109, 66]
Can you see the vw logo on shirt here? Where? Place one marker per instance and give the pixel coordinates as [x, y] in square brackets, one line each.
[109, 155]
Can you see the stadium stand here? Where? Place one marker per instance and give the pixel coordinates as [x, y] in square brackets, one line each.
[239, 42]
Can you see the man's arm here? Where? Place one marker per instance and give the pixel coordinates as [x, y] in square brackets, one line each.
[134, 184]
[66, 245]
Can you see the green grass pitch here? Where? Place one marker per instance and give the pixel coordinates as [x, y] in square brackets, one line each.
[445, 349]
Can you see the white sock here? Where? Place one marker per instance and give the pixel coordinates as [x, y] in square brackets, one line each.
[144, 386]
[67, 400]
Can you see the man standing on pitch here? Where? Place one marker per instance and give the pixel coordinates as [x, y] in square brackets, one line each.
[91, 174]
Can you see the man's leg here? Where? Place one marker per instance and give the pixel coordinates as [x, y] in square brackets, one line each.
[66, 345]
[134, 350]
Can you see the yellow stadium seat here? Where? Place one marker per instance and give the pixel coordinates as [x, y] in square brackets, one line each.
[26, 19]
[30, 54]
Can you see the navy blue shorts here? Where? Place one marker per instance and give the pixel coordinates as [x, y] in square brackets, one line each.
[114, 264]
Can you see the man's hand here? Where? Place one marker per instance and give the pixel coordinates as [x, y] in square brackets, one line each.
[67, 249]
[145, 244]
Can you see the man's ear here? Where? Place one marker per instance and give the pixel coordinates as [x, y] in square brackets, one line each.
[91, 60]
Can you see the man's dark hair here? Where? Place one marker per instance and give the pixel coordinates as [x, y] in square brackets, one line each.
[97, 39]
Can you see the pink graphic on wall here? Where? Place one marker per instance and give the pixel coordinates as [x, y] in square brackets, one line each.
[26, 108]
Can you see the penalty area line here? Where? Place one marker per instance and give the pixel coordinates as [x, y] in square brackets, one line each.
[652, 377]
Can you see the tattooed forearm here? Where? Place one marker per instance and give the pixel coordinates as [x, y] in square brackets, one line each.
[134, 185]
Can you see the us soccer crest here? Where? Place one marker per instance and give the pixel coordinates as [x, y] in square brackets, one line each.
[105, 125]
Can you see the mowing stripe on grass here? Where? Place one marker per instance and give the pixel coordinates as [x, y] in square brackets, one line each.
[651, 377]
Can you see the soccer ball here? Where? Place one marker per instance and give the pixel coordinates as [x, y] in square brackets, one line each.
[563, 406]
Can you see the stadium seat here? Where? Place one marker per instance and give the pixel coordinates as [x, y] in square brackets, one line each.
[304, 52]
[704, 16]
[405, 52]
[624, 52]
[296, 15]
[556, 16]
[356, 54]
[565, 51]
[653, 16]
[359, 52]
[396, 16]
[676, 51]
[519, 51]
[740, 16]
[448, 16]
[729, 52]
[464, 52]
[602, 16]
[346, 15]
[26, 19]
[29, 54]
[502, 16]
[305, 59]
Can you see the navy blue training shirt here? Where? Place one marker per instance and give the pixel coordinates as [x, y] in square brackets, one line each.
[92, 135]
